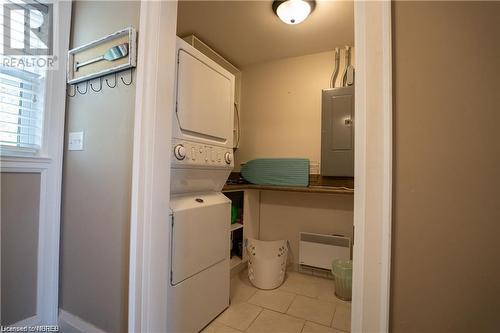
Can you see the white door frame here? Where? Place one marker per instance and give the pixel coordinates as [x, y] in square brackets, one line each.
[151, 167]
[373, 167]
[149, 236]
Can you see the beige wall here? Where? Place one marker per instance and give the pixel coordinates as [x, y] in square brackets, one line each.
[446, 219]
[96, 184]
[284, 214]
[19, 207]
[281, 108]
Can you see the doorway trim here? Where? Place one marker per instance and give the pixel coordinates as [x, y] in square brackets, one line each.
[150, 246]
[372, 167]
[154, 107]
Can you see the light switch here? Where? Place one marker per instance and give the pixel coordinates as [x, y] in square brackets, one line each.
[75, 141]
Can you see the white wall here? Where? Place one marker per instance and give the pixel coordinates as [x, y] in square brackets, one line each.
[281, 107]
[284, 214]
[281, 117]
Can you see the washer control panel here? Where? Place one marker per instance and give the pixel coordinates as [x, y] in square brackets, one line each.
[189, 153]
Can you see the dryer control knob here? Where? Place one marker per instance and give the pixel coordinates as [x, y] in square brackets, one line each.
[228, 158]
[180, 152]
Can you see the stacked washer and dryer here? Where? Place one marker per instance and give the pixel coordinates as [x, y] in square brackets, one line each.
[202, 159]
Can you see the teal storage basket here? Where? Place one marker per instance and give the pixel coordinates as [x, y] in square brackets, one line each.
[277, 171]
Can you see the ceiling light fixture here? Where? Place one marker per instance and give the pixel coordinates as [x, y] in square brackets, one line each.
[293, 11]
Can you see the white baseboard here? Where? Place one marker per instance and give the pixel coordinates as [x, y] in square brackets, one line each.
[74, 324]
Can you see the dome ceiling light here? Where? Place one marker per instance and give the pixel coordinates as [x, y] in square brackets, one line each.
[293, 11]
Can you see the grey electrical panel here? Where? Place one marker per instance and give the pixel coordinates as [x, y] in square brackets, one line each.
[337, 132]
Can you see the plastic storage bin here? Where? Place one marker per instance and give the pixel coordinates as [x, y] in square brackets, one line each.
[267, 262]
[342, 273]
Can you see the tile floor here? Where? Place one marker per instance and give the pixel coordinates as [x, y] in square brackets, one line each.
[302, 304]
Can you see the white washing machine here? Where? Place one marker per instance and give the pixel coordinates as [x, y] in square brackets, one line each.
[202, 159]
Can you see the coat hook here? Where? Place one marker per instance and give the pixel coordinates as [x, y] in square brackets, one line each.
[86, 88]
[125, 83]
[69, 90]
[109, 84]
[100, 86]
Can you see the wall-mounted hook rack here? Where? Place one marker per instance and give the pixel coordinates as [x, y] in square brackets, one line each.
[112, 86]
[68, 89]
[86, 88]
[125, 40]
[100, 86]
[130, 82]
[97, 88]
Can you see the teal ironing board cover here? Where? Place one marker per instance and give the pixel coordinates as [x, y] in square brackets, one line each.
[277, 171]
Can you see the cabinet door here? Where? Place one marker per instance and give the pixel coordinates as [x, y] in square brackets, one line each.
[337, 132]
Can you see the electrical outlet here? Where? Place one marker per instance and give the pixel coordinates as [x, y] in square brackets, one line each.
[75, 141]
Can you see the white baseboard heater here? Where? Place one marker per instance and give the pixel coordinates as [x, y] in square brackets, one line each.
[319, 250]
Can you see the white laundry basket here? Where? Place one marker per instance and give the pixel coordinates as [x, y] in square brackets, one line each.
[267, 262]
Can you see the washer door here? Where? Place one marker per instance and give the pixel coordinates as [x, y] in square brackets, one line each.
[200, 233]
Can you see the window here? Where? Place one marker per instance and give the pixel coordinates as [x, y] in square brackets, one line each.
[21, 109]
[22, 91]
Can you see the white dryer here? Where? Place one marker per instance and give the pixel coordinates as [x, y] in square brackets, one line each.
[204, 99]
[202, 159]
[202, 131]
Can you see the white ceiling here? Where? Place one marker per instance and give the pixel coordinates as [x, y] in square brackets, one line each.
[248, 32]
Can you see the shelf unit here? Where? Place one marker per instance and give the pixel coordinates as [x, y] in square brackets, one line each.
[236, 226]
[236, 240]
[247, 202]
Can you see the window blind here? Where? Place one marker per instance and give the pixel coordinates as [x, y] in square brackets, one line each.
[22, 89]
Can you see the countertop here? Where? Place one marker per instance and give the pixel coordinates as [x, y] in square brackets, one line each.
[320, 185]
